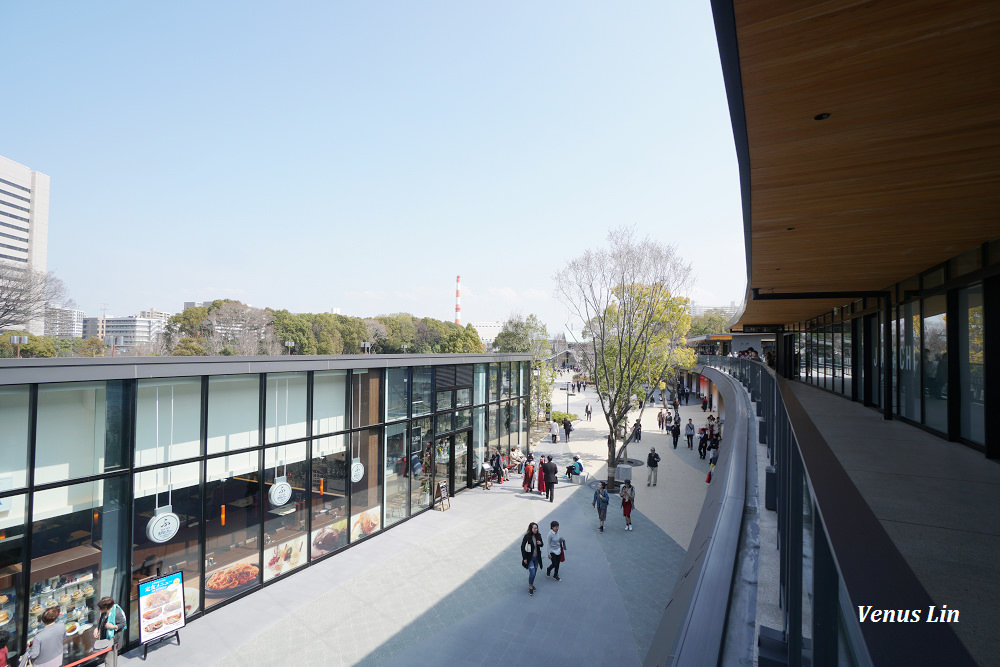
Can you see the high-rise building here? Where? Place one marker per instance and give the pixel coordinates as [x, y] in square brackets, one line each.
[63, 322]
[131, 331]
[24, 222]
[93, 327]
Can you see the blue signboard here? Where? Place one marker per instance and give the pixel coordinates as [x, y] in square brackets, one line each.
[161, 606]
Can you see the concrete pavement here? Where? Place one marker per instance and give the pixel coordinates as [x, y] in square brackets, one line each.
[449, 587]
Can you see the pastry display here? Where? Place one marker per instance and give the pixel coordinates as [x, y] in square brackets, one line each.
[77, 595]
[36, 609]
[4, 617]
[88, 590]
[64, 599]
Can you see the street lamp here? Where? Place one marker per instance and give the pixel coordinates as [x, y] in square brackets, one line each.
[404, 346]
[289, 344]
[366, 346]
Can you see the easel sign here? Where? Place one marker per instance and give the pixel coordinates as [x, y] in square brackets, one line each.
[161, 609]
[442, 494]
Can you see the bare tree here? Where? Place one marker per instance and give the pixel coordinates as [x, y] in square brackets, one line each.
[624, 294]
[235, 328]
[24, 294]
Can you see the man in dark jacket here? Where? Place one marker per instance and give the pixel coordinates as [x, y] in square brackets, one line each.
[653, 463]
[675, 431]
[551, 472]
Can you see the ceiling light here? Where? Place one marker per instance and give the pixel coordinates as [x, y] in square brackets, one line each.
[788, 229]
[821, 116]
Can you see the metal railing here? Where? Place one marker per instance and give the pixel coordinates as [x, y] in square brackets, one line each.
[835, 556]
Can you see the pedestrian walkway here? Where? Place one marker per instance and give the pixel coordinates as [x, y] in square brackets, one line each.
[448, 587]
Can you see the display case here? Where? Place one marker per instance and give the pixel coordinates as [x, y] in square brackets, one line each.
[67, 580]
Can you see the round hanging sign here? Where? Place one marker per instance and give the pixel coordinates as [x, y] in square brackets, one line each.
[357, 471]
[280, 493]
[162, 527]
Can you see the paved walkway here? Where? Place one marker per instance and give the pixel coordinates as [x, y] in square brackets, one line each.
[448, 587]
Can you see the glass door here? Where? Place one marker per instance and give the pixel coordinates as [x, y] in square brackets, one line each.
[461, 458]
[444, 468]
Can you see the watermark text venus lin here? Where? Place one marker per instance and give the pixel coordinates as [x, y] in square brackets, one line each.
[934, 615]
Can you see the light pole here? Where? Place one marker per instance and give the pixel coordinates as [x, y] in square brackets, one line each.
[289, 344]
[404, 346]
[366, 346]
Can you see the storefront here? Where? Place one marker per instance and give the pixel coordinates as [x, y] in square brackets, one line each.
[232, 472]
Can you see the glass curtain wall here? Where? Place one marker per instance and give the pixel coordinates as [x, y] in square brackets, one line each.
[329, 495]
[14, 407]
[972, 396]
[366, 484]
[286, 484]
[233, 413]
[422, 461]
[329, 402]
[167, 420]
[397, 474]
[935, 363]
[909, 361]
[232, 526]
[285, 407]
[13, 520]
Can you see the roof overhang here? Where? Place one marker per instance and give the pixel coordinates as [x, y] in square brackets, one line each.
[902, 175]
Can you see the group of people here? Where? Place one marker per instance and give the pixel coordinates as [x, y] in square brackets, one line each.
[548, 476]
[602, 498]
[46, 648]
[567, 427]
[532, 548]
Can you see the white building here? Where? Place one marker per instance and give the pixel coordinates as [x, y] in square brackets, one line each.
[24, 222]
[63, 322]
[154, 314]
[488, 332]
[132, 330]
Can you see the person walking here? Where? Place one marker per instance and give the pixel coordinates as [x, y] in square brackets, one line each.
[551, 472]
[556, 545]
[677, 404]
[628, 502]
[601, 500]
[704, 403]
[675, 431]
[588, 411]
[528, 480]
[653, 463]
[637, 431]
[689, 433]
[554, 431]
[531, 554]
[567, 427]
[660, 420]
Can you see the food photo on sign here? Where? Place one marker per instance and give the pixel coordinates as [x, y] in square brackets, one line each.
[233, 579]
[161, 606]
[329, 538]
[285, 557]
[366, 523]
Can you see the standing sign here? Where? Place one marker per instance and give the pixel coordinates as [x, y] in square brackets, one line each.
[442, 493]
[161, 606]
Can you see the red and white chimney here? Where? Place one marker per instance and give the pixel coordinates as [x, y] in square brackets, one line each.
[458, 299]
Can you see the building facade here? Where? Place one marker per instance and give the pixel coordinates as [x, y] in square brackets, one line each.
[128, 332]
[24, 222]
[265, 466]
[63, 322]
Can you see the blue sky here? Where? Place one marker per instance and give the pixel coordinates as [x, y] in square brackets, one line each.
[359, 156]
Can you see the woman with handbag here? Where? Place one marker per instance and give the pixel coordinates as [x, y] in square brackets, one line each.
[531, 554]
[628, 502]
[112, 623]
[46, 648]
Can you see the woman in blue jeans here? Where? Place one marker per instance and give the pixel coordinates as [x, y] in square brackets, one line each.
[531, 554]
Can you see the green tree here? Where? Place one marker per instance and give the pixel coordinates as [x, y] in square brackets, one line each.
[711, 322]
[89, 347]
[296, 328]
[188, 347]
[529, 334]
[625, 295]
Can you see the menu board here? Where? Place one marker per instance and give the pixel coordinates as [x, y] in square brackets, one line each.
[161, 606]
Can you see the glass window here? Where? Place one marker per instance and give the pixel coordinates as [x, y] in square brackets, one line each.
[13, 519]
[463, 397]
[421, 458]
[972, 394]
[463, 419]
[909, 361]
[935, 363]
[74, 534]
[329, 402]
[232, 524]
[461, 460]
[285, 509]
[397, 393]
[167, 421]
[13, 436]
[505, 381]
[329, 495]
[445, 422]
[479, 384]
[967, 263]
[285, 407]
[444, 401]
[176, 489]
[525, 425]
[233, 412]
[442, 463]
[72, 418]
[423, 390]
[366, 484]
[494, 380]
[364, 396]
[848, 358]
[478, 439]
[397, 474]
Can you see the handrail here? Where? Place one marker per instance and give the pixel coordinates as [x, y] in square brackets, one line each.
[691, 629]
[853, 560]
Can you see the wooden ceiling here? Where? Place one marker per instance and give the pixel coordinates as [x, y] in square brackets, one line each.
[905, 172]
